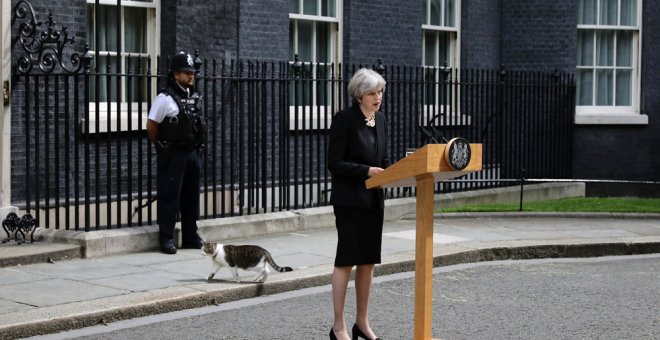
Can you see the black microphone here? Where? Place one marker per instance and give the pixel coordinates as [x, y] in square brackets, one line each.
[439, 133]
[428, 134]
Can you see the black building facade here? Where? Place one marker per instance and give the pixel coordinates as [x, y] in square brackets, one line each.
[533, 35]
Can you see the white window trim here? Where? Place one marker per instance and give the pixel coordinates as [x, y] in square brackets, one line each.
[305, 116]
[137, 111]
[310, 117]
[455, 118]
[89, 125]
[618, 115]
[436, 112]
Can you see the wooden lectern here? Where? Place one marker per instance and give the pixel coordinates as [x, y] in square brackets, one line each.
[423, 169]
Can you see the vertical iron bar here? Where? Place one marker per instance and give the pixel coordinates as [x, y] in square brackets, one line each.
[263, 82]
[37, 196]
[46, 136]
[129, 145]
[56, 134]
[139, 86]
[67, 154]
[213, 137]
[245, 115]
[28, 160]
[273, 126]
[204, 154]
[224, 88]
[223, 135]
[119, 79]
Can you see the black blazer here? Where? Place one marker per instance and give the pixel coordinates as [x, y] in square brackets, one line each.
[351, 153]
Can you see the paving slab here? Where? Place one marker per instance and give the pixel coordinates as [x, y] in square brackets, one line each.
[82, 292]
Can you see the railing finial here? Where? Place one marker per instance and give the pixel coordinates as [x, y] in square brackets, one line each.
[380, 68]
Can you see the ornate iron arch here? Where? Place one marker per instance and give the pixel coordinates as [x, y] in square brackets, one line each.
[44, 48]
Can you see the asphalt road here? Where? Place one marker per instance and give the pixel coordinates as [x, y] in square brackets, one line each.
[601, 298]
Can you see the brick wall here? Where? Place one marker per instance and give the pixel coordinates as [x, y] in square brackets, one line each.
[539, 35]
[264, 30]
[387, 29]
[624, 151]
[480, 34]
[208, 26]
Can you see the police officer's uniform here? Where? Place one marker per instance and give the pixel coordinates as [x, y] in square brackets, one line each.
[181, 134]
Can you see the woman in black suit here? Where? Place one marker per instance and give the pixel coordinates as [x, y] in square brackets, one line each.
[357, 150]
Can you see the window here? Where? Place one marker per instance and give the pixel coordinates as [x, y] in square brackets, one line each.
[136, 21]
[440, 41]
[314, 32]
[607, 76]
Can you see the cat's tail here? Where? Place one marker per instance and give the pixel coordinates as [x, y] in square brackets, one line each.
[272, 263]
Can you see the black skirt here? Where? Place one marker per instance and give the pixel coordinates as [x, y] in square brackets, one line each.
[359, 235]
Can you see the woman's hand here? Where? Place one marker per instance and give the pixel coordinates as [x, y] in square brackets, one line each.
[374, 170]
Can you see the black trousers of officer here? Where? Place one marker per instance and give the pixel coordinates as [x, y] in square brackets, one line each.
[178, 183]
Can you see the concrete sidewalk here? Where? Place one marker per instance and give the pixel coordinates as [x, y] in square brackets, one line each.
[71, 279]
[47, 297]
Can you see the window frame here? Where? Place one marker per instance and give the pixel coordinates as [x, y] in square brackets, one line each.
[315, 116]
[611, 114]
[107, 110]
[431, 112]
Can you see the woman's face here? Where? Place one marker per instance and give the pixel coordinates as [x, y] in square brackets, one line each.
[372, 99]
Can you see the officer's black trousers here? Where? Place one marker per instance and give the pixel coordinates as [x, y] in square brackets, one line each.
[178, 191]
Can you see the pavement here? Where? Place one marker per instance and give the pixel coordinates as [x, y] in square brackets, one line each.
[47, 295]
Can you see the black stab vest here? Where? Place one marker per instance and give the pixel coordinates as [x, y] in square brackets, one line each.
[188, 128]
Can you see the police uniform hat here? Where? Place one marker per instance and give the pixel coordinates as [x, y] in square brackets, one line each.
[182, 62]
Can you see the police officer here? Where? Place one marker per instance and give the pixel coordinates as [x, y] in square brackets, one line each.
[178, 130]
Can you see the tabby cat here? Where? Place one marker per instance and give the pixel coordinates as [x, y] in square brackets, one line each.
[246, 257]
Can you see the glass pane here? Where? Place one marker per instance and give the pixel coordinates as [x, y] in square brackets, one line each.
[90, 27]
[310, 7]
[294, 6]
[107, 85]
[107, 28]
[585, 44]
[605, 48]
[328, 8]
[299, 90]
[436, 10]
[136, 88]
[431, 86]
[292, 39]
[623, 88]
[604, 87]
[587, 12]
[585, 87]
[450, 14]
[305, 35]
[624, 48]
[324, 85]
[425, 9]
[444, 48]
[323, 42]
[135, 24]
[628, 12]
[608, 12]
[430, 48]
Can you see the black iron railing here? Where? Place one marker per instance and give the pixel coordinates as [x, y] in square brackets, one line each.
[89, 164]
[81, 158]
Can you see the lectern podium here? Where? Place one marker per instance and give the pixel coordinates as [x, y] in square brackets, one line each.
[423, 168]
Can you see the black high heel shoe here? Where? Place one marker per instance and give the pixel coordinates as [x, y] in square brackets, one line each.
[332, 334]
[358, 333]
